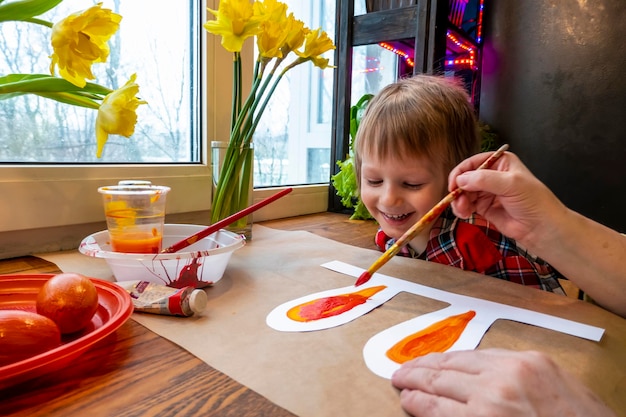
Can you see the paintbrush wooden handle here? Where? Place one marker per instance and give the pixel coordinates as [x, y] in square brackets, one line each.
[224, 222]
[423, 222]
[416, 229]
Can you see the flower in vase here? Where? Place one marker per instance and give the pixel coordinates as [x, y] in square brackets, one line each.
[278, 35]
[235, 22]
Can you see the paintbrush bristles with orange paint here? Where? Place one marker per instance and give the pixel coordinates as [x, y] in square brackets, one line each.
[422, 223]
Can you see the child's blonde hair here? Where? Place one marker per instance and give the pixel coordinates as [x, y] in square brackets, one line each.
[421, 116]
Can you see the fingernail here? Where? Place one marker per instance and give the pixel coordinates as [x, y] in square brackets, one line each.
[462, 179]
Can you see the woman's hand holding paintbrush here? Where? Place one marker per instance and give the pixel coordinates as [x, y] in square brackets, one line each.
[418, 227]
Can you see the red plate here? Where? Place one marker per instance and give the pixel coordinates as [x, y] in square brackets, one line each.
[19, 292]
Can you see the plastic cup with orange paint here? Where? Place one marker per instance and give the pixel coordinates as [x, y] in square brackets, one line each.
[135, 214]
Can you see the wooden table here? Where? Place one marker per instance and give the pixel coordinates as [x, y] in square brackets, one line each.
[135, 372]
[126, 374]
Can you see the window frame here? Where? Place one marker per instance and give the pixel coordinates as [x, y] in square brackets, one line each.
[50, 208]
[44, 207]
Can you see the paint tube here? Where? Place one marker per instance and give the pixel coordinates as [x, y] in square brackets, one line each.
[154, 298]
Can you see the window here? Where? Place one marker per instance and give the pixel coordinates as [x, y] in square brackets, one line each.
[51, 132]
[44, 196]
[52, 203]
[292, 142]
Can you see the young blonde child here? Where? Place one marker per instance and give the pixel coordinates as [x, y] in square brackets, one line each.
[412, 134]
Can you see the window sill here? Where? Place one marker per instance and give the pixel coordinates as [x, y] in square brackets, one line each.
[41, 239]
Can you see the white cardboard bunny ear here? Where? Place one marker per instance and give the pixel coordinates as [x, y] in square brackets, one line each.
[279, 320]
[382, 288]
[468, 337]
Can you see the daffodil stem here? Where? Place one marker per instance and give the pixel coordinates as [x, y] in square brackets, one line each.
[234, 178]
[236, 103]
[268, 96]
[232, 190]
[53, 88]
[73, 99]
[254, 114]
[233, 184]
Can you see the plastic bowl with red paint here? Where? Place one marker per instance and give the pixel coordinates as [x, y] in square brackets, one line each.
[198, 265]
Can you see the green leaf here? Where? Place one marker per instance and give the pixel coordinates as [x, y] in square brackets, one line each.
[489, 139]
[42, 83]
[25, 9]
[360, 212]
[70, 98]
[356, 113]
[346, 186]
[345, 181]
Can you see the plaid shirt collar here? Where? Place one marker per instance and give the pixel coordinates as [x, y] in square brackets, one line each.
[476, 245]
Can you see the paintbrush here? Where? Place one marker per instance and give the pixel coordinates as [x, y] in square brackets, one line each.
[224, 222]
[422, 223]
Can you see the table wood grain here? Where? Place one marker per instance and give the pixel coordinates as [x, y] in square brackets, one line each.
[135, 372]
[132, 372]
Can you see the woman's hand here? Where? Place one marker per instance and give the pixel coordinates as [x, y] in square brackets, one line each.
[508, 195]
[588, 253]
[493, 382]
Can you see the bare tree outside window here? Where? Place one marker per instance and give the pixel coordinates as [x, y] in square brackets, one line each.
[292, 141]
[37, 130]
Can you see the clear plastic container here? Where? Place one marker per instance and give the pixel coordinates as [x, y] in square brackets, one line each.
[135, 214]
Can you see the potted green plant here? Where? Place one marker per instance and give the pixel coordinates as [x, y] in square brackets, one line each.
[345, 180]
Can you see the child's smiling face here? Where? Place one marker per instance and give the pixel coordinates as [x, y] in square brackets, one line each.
[399, 191]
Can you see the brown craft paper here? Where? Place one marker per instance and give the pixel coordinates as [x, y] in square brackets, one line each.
[322, 373]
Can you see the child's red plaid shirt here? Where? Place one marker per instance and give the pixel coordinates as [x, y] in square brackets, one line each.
[475, 245]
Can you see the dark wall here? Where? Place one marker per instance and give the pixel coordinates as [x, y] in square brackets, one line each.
[554, 88]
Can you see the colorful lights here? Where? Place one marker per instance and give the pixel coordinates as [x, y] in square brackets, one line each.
[462, 50]
[456, 41]
[398, 52]
[479, 24]
[457, 11]
[460, 62]
[468, 59]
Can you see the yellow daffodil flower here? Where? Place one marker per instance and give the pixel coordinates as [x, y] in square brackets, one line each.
[80, 40]
[270, 10]
[235, 22]
[316, 43]
[296, 32]
[271, 39]
[117, 113]
[277, 35]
